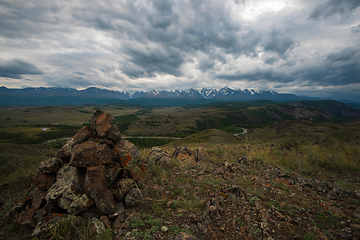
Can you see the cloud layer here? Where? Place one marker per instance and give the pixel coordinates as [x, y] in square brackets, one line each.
[297, 46]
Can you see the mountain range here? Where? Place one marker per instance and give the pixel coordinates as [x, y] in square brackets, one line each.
[61, 96]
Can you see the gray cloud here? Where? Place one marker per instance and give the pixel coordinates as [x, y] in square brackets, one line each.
[334, 7]
[148, 62]
[16, 68]
[355, 29]
[278, 42]
[337, 69]
[258, 74]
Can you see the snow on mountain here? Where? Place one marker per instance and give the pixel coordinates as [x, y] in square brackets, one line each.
[223, 94]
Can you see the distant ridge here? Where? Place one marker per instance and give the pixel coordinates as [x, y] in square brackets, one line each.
[71, 96]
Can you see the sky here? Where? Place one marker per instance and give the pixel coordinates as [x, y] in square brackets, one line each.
[303, 47]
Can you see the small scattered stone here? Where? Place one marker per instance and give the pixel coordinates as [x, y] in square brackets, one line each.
[169, 203]
[185, 236]
[133, 198]
[164, 228]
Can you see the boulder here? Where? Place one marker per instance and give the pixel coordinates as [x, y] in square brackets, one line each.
[104, 123]
[66, 151]
[121, 188]
[133, 198]
[68, 192]
[200, 155]
[50, 166]
[94, 119]
[183, 153]
[96, 227]
[44, 181]
[160, 157]
[127, 152]
[114, 134]
[38, 198]
[112, 172]
[120, 210]
[96, 187]
[91, 153]
[82, 135]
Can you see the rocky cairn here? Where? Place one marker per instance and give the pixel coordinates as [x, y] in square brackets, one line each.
[93, 176]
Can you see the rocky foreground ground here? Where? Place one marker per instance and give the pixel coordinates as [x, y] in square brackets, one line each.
[100, 186]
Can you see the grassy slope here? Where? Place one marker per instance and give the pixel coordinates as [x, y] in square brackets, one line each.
[325, 151]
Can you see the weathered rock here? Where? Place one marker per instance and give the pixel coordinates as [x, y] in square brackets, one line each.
[44, 181]
[139, 173]
[127, 152]
[57, 221]
[74, 203]
[94, 119]
[96, 227]
[160, 157]
[112, 172]
[27, 216]
[50, 221]
[106, 221]
[91, 212]
[338, 192]
[213, 209]
[67, 191]
[133, 198]
[185, 236]
[82, 135]
[66, 151]
[38, 198]
[182, 153]
[96, 186]
[104, 123]
[50, 166]
[118, 223]
[114, 134]
[121, 188]
[91, 153]
[200, 155]
[120, 210]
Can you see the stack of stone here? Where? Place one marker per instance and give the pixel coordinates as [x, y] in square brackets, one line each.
[93, 175]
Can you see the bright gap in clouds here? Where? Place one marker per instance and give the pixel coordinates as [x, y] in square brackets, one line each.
[256, 8]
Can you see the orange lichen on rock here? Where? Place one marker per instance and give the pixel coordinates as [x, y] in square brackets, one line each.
[125, 159]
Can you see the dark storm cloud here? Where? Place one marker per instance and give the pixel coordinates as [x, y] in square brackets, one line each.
[16, 68]
[278, 42]
[213, 26]
[148, 62]
[338, 68]
[22, 20]
[334, 7]
[355, 29]
[258, 74]
[206, 64]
